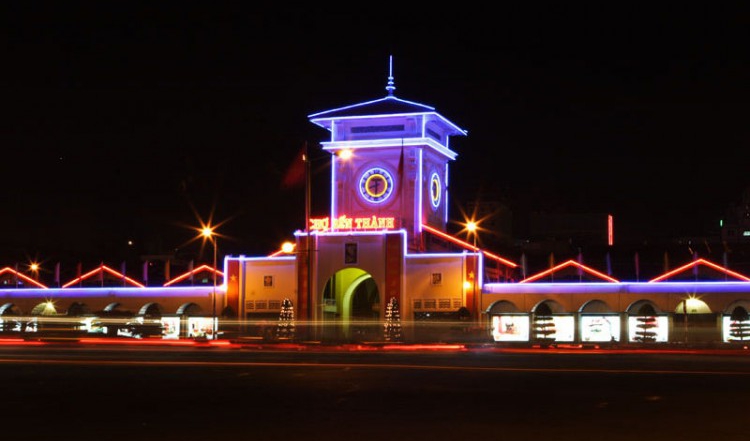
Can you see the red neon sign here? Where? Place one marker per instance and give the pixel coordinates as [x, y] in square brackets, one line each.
[353, 223]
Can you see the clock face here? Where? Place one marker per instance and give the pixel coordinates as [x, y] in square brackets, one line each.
[376, 185]
[436, 190]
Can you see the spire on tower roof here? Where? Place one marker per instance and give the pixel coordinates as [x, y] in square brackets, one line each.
[390, 87]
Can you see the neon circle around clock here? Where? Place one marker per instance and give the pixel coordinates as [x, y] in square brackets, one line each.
[376, 185]
[435, 190]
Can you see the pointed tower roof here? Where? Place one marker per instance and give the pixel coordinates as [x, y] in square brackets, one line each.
[388, 106]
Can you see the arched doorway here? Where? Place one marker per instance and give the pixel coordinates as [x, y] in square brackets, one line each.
[351, 305]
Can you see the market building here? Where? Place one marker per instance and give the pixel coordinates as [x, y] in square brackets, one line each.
[382, 255]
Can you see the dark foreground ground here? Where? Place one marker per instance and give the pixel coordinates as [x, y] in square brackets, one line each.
[75, 391]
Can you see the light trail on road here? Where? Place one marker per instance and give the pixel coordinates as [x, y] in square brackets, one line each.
[245, 364]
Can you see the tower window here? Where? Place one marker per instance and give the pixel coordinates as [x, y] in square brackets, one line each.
[433, 134]
[375, 129]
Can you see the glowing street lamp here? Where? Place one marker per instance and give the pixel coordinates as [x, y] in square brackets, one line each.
[287, 247]
[473, 229]
[34, 267]
[208, 233]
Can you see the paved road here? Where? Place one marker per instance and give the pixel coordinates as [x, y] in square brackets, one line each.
[92, 392]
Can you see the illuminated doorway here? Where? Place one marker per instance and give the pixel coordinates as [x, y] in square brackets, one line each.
[351, 305]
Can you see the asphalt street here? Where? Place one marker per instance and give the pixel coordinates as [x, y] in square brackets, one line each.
[92, 392]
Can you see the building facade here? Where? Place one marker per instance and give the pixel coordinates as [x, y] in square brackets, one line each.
[385, 241]
[383, 251]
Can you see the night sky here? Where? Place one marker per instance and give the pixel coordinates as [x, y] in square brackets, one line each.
[126, 121]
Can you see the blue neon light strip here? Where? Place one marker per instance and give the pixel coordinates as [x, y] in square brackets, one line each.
[380, 143]
[604, 288]
[62, 293]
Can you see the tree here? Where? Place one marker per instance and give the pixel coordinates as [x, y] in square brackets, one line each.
[646, 322]
[739, 326]
[543, 327]
[392, 325]
[644, 333]
[285, 327]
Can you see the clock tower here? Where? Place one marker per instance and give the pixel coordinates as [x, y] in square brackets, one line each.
[390, 162]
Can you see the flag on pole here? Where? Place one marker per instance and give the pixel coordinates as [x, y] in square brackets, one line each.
[609, 264]
[191, 267]
[695, 267]
[145, 272]
[401, 164]
[57, 273]
[725, 262]
[122, 270]
[524, 265]
[666, 261]
[166, 271]
[79, 269]
[295, 173]
[552, 265]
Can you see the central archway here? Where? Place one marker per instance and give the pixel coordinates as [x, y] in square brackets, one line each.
[351, 301]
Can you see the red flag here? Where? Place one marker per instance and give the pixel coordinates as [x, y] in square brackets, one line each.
[295, 174]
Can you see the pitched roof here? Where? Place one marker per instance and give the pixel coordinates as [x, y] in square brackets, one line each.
[694, 265]
[388, 105]
[570, 263]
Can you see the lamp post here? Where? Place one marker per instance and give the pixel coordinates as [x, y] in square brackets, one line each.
[208, 233]
[472, 227]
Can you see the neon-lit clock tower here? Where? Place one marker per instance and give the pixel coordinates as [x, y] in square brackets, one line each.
[397, 174]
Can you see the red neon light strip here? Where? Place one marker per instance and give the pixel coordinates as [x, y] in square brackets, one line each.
[700, 262]
[100, 269]
[467, 245]
[566, 264]
[196, 270]
[22, 276]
